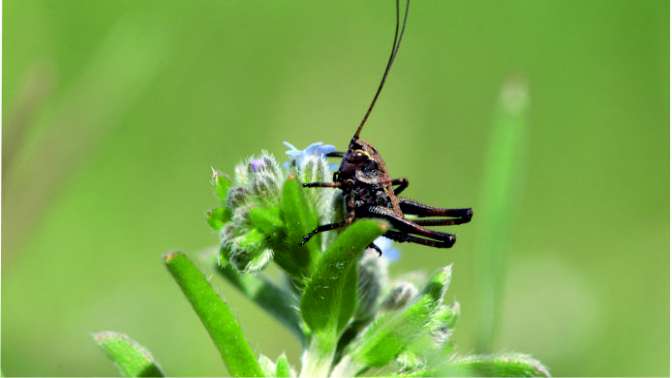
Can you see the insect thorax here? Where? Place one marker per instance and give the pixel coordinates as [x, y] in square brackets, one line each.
[366, 196]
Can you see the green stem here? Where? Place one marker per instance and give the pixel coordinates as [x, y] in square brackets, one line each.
[346, 368]
[318, 358]
[216, 316]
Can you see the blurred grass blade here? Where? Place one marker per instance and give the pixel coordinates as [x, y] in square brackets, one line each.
[280, 303]
[504, 365]
[391, 333]
[500, 193]
[216, 316]
[330, 296]
[131, 358]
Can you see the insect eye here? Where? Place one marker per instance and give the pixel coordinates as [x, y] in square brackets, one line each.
[360, 154]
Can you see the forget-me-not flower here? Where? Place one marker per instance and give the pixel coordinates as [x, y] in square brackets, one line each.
[297, 157]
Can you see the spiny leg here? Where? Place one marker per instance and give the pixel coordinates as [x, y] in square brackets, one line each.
[406, 238]
[349, 218]
[406, 226]
[422, 210]
[322, 228]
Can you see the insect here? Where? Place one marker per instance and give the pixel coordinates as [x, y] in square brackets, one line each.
[370, 192]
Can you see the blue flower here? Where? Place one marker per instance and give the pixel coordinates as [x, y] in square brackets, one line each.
[297, 156]
[387, 246]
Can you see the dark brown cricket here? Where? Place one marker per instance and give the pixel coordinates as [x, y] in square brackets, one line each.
[370, 192]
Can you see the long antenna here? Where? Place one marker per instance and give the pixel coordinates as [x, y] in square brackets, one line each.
[393, 54]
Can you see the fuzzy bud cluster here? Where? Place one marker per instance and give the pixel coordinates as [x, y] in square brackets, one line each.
[257, 185]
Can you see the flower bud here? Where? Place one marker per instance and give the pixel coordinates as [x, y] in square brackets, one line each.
[227, 232]
[409, 361]
[400, 296]
[443, 321]
[237, 196]
[314, 168]
[265, 186]
[372, 279]
[247, 252]
[242, 176]
[240, 216]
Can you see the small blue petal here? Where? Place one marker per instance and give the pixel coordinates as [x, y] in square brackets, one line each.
[387, 246]
[391, 255]
[290, 146]
[326, 148]
[314, 149]
[294, 154]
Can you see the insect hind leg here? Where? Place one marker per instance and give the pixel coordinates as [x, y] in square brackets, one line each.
[407, 228]
[406, 238]
[422, 210]
[440, 221]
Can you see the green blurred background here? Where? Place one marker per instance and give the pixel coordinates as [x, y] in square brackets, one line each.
[114, 111]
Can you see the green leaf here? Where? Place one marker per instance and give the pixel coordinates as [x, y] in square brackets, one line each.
[266, 220]
[503, 365]
[282, 367]
[278, 302]
[437, 343]
[131, 358]
[221, 183]
[216, 317]
[329, 298]
[299, 218]
[217, 217]
[391, 333]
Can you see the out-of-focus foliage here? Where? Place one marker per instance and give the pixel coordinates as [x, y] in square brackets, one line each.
[113, 111]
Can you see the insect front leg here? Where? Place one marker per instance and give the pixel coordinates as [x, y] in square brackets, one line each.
[335, 154]
[376, 248]
[334, 185]
[416, 208]
[402, 183]
[323, 228]
[349, 218]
